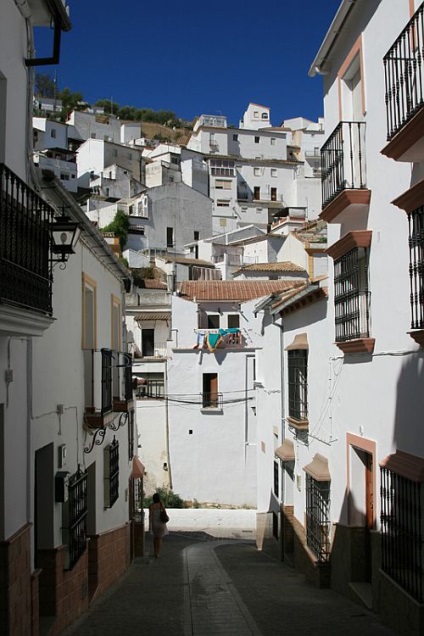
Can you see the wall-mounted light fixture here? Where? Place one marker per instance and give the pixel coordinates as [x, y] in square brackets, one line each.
[64, 235]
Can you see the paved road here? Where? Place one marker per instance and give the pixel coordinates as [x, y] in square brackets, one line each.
[203, 587]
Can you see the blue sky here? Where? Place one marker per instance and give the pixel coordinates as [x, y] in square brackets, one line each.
[195, 57]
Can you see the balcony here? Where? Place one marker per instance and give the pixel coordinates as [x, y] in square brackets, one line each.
[25, 270]
[404, 81]
[213, 339]
[152, 390]
[108, 385]
[343, 172]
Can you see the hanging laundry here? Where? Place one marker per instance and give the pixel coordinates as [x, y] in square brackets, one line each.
[200, 339]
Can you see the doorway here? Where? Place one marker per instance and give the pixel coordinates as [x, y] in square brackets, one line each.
[148, 342]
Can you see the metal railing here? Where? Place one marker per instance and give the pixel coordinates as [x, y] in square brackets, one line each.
[111, 473]
[75, 528]
[298, 383]
[212, 400]
[317, 518]
[25, 269]
[404, 75]
[108, 378]
[402, 532]
[153, 390]
[416, 267]
[233, 340]
[343, 160]
[351, 295]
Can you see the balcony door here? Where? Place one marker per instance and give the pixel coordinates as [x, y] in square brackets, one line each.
[148, 342]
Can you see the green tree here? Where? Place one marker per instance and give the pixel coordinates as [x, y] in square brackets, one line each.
[108, 106]
[45, 86]
[70, 101]
[119, 227]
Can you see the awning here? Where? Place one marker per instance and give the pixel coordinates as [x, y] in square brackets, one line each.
[318, 468]
[408, 466]
[286, 451]
[300, 342]
[138, 469]
[157, 315]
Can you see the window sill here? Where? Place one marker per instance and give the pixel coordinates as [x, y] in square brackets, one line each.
[359, 345]
[215, 410]
[418, 336]
[301, 425]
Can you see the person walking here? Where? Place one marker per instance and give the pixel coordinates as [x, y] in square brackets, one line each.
[156, 526]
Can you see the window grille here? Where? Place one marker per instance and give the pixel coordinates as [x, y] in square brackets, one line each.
[351, 295]
[107, 360]
[276, 481]
[111, 473]
[75, 517]
[416, 267]
[298, 383]
[131, 434]
[317, 517]
[402, 532]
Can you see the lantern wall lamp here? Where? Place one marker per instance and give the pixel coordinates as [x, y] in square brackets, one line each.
[64, 235]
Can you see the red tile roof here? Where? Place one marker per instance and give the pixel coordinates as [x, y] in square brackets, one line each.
[285, 266]
[237, 290]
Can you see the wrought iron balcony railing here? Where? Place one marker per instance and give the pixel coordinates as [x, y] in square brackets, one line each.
[343, 160]
[25, 269]
[108, 384]
[404, 75]
[220, 339]
[152, 390]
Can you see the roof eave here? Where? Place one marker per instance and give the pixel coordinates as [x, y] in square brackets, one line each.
[320, 64]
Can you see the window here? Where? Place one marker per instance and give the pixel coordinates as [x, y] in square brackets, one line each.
[115, 152]
[89, 311]
[351, 295]
[148, 342]
[233, 321]
[273, 172]
[235, 137]
[222, 168]
[111, 472]
[264, 115]
[169, 237]
[175, 160]
[223, 184]
[273, 194]
[276, 483]
[93, 135]
[298, 383]
[317, 517]
[53, 133]
[213, 321]
[210, 398]
[75, 529]
[272, 141]
[64, 177]
[416, 269]
[257, 172]
[131, 434]
[256, 114]
[129, 156]
[196, 235]
[257, 140]
[256, 192]
[402, 525]
[223, 203]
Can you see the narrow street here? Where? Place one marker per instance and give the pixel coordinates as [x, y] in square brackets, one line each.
[203, 587]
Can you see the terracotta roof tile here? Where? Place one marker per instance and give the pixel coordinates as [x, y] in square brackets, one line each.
[153, 315]
[237, 290]
[285, 266]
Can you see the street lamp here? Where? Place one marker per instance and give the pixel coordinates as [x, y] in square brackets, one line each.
[64, 235]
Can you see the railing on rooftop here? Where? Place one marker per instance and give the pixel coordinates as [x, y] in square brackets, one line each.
[25, 269]
[343, 160]
[404, 75]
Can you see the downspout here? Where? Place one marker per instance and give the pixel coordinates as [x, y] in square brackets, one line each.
[168, 456]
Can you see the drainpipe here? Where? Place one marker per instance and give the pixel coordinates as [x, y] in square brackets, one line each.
[168, 455]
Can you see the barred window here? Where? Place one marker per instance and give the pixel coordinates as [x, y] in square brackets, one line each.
[111, 473]
[317, 517]
[402, 529]
[131, 434]
[416, 267]
[222, 168]
[75, 518]
[298, 383]
[351, 295]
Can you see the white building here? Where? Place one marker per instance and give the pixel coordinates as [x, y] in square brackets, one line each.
[353, 455]
[255, 170]
[96, 155]
[211, 394]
